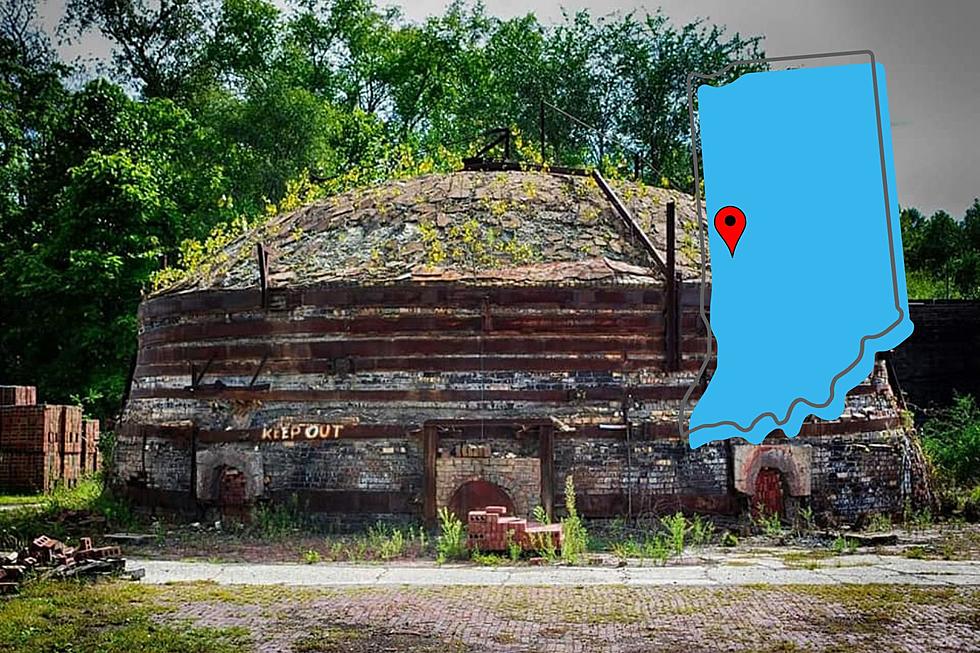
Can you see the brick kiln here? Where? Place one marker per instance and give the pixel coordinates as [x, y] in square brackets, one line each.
[467, 340]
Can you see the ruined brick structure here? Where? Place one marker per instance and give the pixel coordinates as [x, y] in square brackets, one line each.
[465, 340]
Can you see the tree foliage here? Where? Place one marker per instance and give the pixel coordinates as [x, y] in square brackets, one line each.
[942, 254]
[217, 113]
[951, 438]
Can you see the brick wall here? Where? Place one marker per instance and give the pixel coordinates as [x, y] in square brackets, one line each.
[943, 352]
[858, 475]
[658, 475]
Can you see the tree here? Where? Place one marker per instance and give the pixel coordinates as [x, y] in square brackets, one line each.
[159, 46]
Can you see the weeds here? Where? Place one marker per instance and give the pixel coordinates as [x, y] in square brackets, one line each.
[676, 526]
[879, 523]
[541, 515]
[278, 520]
[106, 617]
[729, 539]
[805, 516]
[842, 545]
[770, 524]
[388, 543]
[514, 548]
[451, 544]
[702, 531]
[916, 520]
[575, 536]
[487, 559]
[311, 557]
[20, 525]
[658, 550]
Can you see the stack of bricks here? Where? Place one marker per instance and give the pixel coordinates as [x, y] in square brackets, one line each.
[40, 444]
[90, 446]
[492, 530]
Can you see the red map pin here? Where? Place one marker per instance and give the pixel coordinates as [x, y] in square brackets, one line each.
[730, 223]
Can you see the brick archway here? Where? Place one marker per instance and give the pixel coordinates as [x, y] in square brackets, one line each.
[518, 478]
[477, 495]
[794, 462]
[212, 468]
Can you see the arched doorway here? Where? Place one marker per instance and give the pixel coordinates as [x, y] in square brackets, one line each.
[477, 495]
[230, 492]
[769, 496]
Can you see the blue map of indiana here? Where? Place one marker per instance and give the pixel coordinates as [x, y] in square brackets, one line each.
[816, 285]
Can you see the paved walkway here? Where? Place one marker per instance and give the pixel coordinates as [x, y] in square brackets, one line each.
[748, 570]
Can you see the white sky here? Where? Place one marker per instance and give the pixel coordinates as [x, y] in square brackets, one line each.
[931, 52]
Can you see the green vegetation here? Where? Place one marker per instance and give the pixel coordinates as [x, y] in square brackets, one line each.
[771, 524]
[21, 499]
[451, 544]
[276, 521]
[942, 254]
[842, 545]
[667, 539]
[103, 618]
[212, 115]
[88, 503]
[576, 537]
[951, 440]
[311, 556]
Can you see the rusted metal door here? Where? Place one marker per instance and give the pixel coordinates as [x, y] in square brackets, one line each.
[768, 496]
[477, 495]
[231, 493]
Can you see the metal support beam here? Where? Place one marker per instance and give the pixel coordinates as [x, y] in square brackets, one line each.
[672, 321]
[627, 218]
[263, 261]
[546, 454]
[430, 446]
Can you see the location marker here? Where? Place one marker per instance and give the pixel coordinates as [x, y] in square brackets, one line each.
[730, 223]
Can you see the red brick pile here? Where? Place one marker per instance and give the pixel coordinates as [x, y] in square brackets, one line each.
[43, 444]
[491, 530]
[50, 558]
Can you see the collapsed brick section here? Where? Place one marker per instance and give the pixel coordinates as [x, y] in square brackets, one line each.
[493, 530]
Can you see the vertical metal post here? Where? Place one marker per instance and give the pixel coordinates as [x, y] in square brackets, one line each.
[546, 455]
[193, 488]
[430, 443]
[263, 261]
[671, 312]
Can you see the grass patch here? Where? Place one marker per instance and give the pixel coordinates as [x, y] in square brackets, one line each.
[20, 499]
[89, 504]
[104, 618]
[872, 606]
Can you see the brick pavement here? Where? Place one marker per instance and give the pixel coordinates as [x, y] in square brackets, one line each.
[786, 619]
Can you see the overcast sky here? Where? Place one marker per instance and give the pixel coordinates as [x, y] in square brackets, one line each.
[930, 49]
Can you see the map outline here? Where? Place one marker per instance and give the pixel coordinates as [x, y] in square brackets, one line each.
[685, 401]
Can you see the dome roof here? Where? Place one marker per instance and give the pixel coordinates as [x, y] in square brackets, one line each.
[470, 226]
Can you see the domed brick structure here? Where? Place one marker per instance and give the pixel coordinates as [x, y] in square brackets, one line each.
[375, 352]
